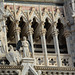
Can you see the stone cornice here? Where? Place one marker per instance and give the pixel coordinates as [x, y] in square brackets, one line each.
[54, 68]
[45, 1]
[11, 67]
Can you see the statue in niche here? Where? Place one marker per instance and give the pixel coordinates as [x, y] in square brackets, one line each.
[25, 45]
[13, 56]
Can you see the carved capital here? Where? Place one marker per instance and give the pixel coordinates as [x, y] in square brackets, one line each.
[55, 32]
[43, 31]
[67, 33]
[42, 23]
[54, 24]
[29, 22]
[17, 29]
[30, 31]
[17, 22]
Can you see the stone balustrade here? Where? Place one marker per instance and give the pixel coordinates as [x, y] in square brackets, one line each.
[52, 60]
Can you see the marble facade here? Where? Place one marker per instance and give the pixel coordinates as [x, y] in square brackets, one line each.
[49, 31]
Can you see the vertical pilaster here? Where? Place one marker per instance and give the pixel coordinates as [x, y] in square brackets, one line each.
[56, 44]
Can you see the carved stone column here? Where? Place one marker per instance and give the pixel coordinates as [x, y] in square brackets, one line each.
[30, 37]
[17, 32]
[73, 5]
[56, 44]
[43, 41]
[67, 36]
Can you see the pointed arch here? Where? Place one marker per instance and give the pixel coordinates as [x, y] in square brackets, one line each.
[9, 12]
[20, 13]
[33, 14]
[47, 15]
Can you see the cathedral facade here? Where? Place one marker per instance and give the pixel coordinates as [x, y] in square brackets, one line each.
[37, 37]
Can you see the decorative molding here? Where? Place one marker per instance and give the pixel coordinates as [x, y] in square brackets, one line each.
[45, 1]
[11, 67]
[54, 68]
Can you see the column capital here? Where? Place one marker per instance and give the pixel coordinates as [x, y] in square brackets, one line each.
[67, 33]
[55, 32]
[17, 22]
[30, 31]
[29, 23]
[43, 31]
[42, 23]
[17, 29]
[54, 24]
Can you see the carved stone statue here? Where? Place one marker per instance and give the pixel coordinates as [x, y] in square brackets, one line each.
[13, 56]
[25, 45]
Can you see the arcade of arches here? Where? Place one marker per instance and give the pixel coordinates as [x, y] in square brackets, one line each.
[48, 32]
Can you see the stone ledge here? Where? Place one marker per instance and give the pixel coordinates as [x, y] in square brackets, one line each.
[11, 67]
[51, 1]
[28, 60]
[54, 68]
